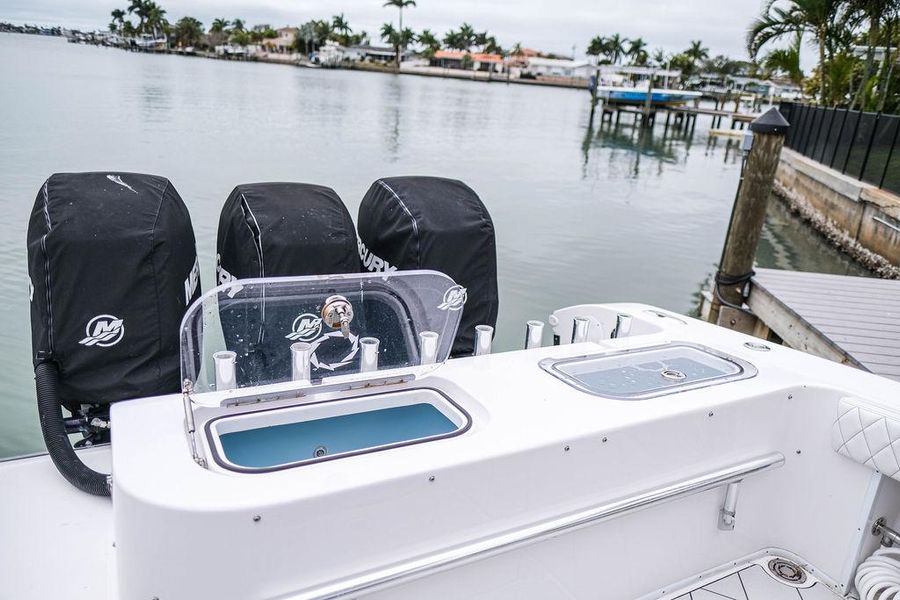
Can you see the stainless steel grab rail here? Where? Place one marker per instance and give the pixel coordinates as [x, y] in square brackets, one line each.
[505, 542]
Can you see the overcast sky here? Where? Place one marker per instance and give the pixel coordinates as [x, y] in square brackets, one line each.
[549, 25]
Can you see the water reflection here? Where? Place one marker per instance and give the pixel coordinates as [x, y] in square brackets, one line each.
[788, 243]
[393, 100]
[631, 142]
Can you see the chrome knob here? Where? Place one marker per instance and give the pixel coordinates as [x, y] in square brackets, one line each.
[337, 313]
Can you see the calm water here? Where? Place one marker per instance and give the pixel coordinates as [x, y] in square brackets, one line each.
[608, 215]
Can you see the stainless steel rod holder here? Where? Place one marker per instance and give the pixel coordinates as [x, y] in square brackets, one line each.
[369, 358]
[428, 347]
[301, 355]
[484, 337]
[534, 334]
[623, 326]
[226, 379]
[580, 328]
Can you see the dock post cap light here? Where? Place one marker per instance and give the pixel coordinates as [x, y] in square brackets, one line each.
[770, 121]
[301, 355]
[428, 346]
[225, 371]
[534, 333]
[580, 328]
[368, 361]
[484, 335]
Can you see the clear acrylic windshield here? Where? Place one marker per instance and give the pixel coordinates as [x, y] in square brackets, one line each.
[256, 332]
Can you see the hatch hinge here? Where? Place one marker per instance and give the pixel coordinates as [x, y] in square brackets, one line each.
[187, 387]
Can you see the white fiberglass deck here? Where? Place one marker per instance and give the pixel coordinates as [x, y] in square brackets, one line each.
[755, 579]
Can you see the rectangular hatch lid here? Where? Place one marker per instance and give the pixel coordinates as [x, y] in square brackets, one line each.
[240, 334]
[642, 373]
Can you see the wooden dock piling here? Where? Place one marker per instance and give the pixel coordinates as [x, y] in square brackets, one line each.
[747, 218]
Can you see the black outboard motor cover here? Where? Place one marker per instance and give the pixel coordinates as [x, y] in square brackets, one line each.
[280, 230]
[112, 264]
[439, 224]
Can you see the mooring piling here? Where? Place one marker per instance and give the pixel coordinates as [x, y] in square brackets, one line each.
[747, 218]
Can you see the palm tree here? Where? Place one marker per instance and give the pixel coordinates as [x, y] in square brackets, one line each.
[400, 4]
[786, 61]
[659, 57]
[406, 37]
[467, 36]
[398, 39]
[390, 37]
[219, 26]
[118, 20]
[139, 8]
[156, 18]
[615, 48]
[323, 30]
[339, 23]
[596, 46]
[237, 25]
[813, 17]
[429, 42]
[696, 52]
[188, 31]
[453, 40]
[637, 51]
[491, 46]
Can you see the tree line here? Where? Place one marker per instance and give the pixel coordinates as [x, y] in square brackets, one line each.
[855, 43]
[846, 36]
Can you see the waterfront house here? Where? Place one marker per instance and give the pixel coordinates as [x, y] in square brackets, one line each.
[537, 66]
[285, 40]
[367, 53]
[477, 61]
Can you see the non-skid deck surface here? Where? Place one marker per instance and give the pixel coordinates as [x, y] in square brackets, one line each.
[754, 583]
[857, 316]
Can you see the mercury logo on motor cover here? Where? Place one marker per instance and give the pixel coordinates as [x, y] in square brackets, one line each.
[103, 331]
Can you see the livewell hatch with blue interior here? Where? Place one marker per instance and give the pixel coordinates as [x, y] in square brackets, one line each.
[348, 332]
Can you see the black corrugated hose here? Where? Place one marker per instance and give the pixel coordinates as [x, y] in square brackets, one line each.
[46, 377]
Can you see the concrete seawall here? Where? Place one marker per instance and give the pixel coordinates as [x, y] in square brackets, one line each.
[856, 216]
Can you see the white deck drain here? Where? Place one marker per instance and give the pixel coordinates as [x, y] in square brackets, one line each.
[787, 571]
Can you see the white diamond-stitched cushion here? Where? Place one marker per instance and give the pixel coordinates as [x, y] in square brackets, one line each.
[867, 436]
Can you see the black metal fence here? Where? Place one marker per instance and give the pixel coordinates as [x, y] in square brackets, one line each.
[860, 144]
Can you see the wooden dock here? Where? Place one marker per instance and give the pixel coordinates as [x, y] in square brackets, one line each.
[852, 320]
[684, 115]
